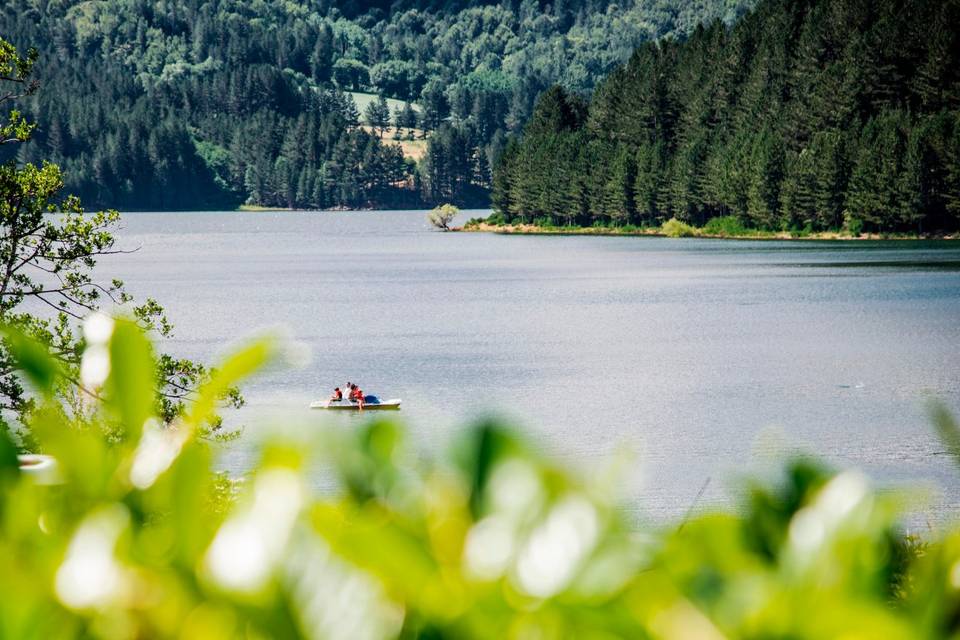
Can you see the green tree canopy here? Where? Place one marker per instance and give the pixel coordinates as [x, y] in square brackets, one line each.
[801, 115]
[48, 251]
[377, 115]
[202, 94]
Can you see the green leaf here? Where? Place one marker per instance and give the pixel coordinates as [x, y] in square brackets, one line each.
[130, 388]
[236, 367]
[478, 453]
[947, 429]
[9, 464]
[33, 359]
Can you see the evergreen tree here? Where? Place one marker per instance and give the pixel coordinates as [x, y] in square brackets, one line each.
[648, 182]
[816, 114]
[407, 117]
[618, 191]
[377, 115]
[763, 194]
[830, 176]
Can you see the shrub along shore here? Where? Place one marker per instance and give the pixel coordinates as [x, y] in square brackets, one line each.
[718, 228]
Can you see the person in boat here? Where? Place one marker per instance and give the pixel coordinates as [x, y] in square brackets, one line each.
[337, 395]
[356, 394]
[358, 397]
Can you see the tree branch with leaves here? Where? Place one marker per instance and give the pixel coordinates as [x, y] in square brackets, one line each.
[49, 247]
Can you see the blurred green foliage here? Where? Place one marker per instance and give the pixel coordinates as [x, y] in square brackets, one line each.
[50, 248]
[136, 536]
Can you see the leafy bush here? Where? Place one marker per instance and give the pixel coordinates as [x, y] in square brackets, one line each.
[544, 222]
[725, 226]
[496, 218]
[138, 536]
[852, 225]
[674, 228]
[442, 216]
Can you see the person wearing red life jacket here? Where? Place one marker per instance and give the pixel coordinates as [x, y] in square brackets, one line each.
[337, 395]
[359, 397]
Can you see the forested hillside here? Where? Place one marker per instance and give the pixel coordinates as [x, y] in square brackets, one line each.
[807, 114]
[209, 103]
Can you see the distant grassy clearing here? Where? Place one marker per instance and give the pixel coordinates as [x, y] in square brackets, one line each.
[363, 99]
[414, 149]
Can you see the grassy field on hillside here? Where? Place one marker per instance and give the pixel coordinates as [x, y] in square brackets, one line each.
[363, 99]
[415, 149]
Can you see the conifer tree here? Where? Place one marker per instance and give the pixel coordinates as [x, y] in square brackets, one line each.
[618, 191]
[816, 114]
[377, 115]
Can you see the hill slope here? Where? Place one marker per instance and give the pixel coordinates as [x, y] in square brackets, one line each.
[192, 103]
[813, 114]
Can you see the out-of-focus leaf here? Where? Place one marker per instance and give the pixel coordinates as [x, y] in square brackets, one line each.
[129, 388]
[369, 461]
[947, 429]
[770, 509]
[191, 481]
[478, 453]
[933, 589]
[495, 542]
[9, 465]
[33, 359]
[235, 368]
[372, 538]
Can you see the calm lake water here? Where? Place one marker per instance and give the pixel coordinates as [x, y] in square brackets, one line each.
[711, 360]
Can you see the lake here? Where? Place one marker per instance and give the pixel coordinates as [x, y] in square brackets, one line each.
[711, 360]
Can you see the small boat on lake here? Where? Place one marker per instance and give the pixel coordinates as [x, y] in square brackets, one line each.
[344, 405]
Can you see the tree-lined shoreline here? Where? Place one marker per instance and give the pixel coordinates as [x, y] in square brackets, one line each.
[697, 232]
[804, 117]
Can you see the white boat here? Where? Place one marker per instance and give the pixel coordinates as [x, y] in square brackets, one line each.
[344, 405]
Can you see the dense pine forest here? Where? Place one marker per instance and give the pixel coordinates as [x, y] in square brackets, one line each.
[186, 104]
[807, 114]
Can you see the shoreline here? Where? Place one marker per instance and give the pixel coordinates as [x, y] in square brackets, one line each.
[256, 208]
[529, 229]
